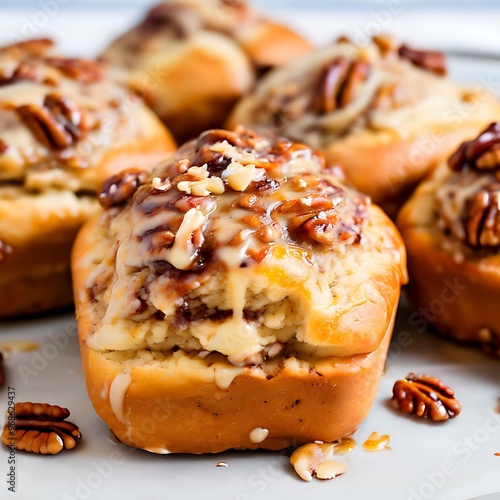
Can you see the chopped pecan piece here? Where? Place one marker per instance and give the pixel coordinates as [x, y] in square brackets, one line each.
[36, 46]
[3, 146]
[121, 187]
[425, 397]
[41, 428]
[429, 60]
[57, 124]
[338, 84]
[83, 70]
[24, 71]
[5, 250]
[482, 222]
[482, 153]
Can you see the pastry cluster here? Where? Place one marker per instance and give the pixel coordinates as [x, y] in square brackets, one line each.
[239, 291]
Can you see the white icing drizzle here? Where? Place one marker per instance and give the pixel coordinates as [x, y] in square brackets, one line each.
[258, 435]
[117, 394]
[158, 451]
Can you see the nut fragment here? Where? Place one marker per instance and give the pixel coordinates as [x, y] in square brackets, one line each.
[429, 60]
[41, 428]
[338, 84]
[425, 397]
[482, 220]
[120, 187]
[315, 458]
[83, 70]
[377, 442]
[3, 146]
[482, 153]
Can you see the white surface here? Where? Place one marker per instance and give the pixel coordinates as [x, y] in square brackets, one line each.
[419, 449]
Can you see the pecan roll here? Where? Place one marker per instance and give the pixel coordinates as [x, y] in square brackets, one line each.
[482, 220]
[338, 84]
[429, 60]
[83, 70]
[481, 154]
[425, 397]
[41, 428]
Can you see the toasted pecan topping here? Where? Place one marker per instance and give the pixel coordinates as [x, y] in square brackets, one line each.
[5, 250]
[41, 428]
[429, 60]
[83, 70]
[338, 84]
[482, 220]
[24, 71]
[3, 146]
[482, 153]
[316, 459]
[57, 124]
[121, 187]
[425, 397]
[36, 46]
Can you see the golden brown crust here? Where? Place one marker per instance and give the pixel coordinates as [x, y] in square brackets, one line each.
[174, 410]
[35, 276]
[269, 44]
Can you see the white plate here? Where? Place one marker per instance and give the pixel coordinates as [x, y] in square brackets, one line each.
[454, 460]
[451, 460]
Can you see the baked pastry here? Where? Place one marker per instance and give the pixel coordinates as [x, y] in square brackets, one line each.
[385, 113]
[64, 128]
[451, 226]
[241, 298]
[192, 59]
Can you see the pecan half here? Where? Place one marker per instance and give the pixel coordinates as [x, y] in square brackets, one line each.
[338, 84]
[41, 428]
[82, 70]
[121, 187]
[5, 250]
[425, 397]
[24, 71]
[36, 46]
[482, 153]
[482, 222]
[57, 124]
[432, 61]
